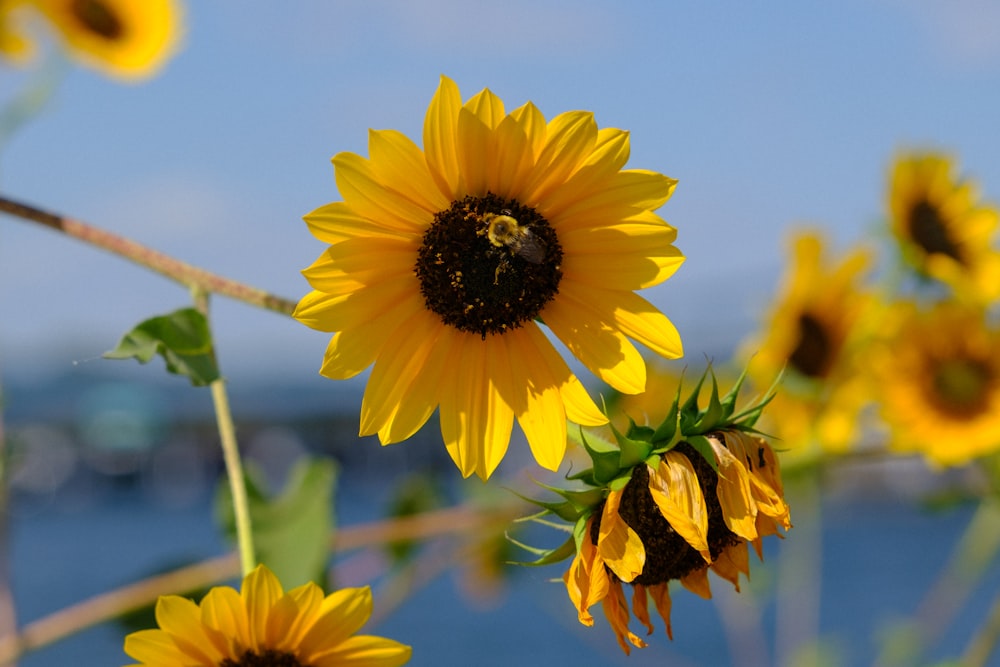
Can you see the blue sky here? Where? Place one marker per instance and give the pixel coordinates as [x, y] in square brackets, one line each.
[769, 114]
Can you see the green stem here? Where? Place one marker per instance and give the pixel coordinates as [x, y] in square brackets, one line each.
[231, 455]
[176, 270]
[985, 642]
[234, 471]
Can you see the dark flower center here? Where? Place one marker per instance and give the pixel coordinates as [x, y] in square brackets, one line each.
[960, 387]
[269, 658]
[668, 555]
[813, 353]
[98, 18]
[488, 265]
[928, 230]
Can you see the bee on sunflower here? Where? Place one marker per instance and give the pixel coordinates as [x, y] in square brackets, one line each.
[667, 503]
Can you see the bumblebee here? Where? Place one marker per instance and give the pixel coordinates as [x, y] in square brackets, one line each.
[505, 232]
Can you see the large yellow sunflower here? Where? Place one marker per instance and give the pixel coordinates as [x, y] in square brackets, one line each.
[443, 261]
[939, 376]
[817, 319]
[263, 625]
[942, 229]
[127, 39]
[677, 519]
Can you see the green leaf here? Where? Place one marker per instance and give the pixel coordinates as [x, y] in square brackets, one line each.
[416, 494]
[182, 338]
[292, 530]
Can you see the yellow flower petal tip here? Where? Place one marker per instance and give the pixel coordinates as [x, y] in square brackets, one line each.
[444, 260]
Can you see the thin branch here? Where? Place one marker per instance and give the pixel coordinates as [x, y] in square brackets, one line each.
[186, 274]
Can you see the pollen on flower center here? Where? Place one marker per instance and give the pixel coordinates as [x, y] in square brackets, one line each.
[267, 658]
[929, 231]
[98, 18]
[813, 352]
[488, 264]
[961, 386]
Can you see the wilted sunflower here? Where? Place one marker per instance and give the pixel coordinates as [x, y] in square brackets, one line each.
[262, 625]
[443, 261]
[942, 229]
[939, 376]
[127, 39]
[816, 322]
[668, 504]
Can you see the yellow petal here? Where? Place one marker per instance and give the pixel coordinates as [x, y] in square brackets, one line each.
[616, 611]
[260, 591]
[640, 608]
[342, 613]
[513, 159]
[618, 545]
[475, 421]
[155, 647]
[400, 165]
[595, 342]
[338, 312]
[336, 222]
[359, 186]
[677, 493]
[181, 618]
[223, 610]
[401, 361]
[475, 153]
[365, 651]
[661, 598]
[350, 352]
[735, 495]
[733, 560]
[569, 138]
[440, 134]
[580, 408]
[353, 264]
[697, 582]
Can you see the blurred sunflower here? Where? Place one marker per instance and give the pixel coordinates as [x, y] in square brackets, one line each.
[126, 39]
[442, 260]
[13, 45]
[816, 320]
[666, 504]
[263, 625]
[939, 376]
[942, 230]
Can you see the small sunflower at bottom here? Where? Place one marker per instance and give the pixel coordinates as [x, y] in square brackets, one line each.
[668, 503]
[263, 625]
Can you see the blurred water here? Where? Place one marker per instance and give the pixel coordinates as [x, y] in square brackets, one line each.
[877, 560]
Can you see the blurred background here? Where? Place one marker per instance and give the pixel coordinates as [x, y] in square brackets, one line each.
[769, 117]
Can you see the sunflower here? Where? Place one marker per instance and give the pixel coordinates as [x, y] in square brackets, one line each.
[676, 518]
[263, 625]
[943, 231]
[443, 262]
[819, 316]
[939, 373]
[127, 39]
[13, 45]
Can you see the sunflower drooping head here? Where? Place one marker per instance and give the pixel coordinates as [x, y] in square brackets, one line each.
[444, 260]
[125, 39]
[668, 503]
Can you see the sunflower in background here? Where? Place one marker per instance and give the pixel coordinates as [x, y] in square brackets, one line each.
[443, 260]
[938, 370]
[942, 230]
[815, 335]
[125, 39]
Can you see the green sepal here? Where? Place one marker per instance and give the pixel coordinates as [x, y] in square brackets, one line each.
[618, 483]
[704, 447]
[748, 418]
[575, 503]
[607, 462]
[636, 432]
[630, 453]
[579, 529]
[713, 415]
[547, 556]
[182, 338]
